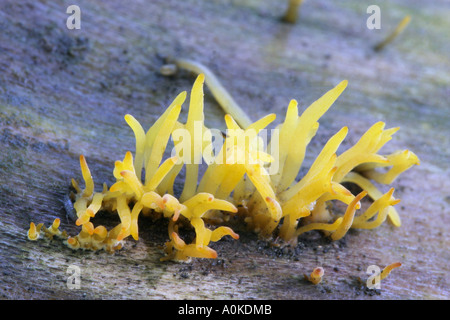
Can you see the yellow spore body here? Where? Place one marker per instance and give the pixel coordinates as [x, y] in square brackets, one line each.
[316, 275]
[387, 270]
[240, 175]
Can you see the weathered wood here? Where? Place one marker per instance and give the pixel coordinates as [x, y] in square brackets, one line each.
[64, 93]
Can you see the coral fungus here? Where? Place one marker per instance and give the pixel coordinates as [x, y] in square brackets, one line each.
[242, 178]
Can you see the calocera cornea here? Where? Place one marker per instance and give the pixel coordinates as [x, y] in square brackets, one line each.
[267, 202]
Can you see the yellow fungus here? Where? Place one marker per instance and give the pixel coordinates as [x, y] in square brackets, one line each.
[160, 173]
[125, 217]
[54, 228]
[387, 270]
[374, 193]
[316, 275]
[399, 29]
[291, 14]
[348, 217]
[399, 161]
[306, 128]
[381, 205]
[89, 182]
[272, 203]
[320, 226]
[98, 237]
[140, 144]
[33, 234]
[152, 200]
[73, 243]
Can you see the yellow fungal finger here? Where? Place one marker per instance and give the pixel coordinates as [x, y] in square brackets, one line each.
[324, 162]
[274, 208]
[306, 127]
[98, 238]
[381, 205]
[113, 234]
[220, 232]
[159, 145]
[133, 182]
[54, 228]
[152, 133]
[260, 180]
[96, 203]
[363, 151]
[33, 234]
[76, 186]
[400, 162]
[286, 131]
[88, 228]
[373, 192]
[291, 14]
[172, 206]
[230, 181]
[80, 206]
[55, 224]
[83, 218]
[86, 173]
[348, 217]
[121, 187]
[399, 29]
[101, 232]
[262, 123]
[178, 242]
[134, 220]
[199, 198]
[320, 226]
[316, 275]
[73, 243]
[195, 128]
[152, 200]
[204, 252]
[139, 134]
[202, 235]
[89, 212]
[126, 164]
[160, 173]
[387, 270]
[125, 217]
[215, 204]
[338, 192]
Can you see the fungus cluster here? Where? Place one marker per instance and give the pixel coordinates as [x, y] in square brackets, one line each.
[238, 180]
